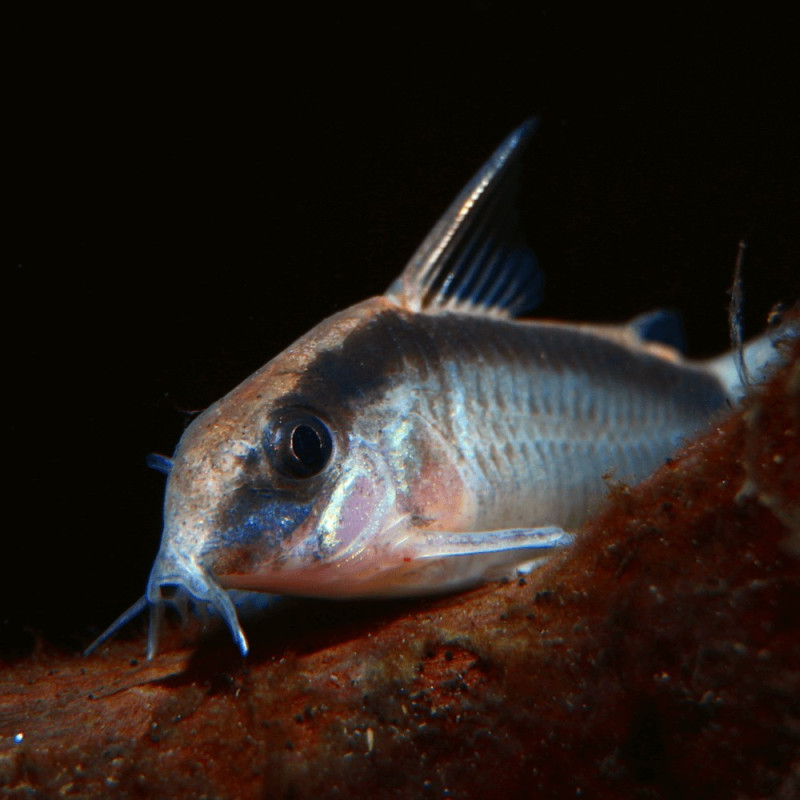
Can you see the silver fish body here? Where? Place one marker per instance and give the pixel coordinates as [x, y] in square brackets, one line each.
[424, 440]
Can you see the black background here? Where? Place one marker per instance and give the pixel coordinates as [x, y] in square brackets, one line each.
[185, 195]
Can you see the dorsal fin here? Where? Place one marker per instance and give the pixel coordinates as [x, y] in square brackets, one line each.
[475, 258]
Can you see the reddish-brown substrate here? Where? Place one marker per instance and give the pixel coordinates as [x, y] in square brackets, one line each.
[660, 657]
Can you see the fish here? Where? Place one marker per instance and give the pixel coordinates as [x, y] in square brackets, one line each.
[429, 439]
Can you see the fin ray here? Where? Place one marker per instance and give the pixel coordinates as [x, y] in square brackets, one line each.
[440, 544]
[475, 259]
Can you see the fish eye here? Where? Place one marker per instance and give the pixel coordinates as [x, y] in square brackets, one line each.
[301, 444]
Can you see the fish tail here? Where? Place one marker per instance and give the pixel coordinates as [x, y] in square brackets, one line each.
[750, 364]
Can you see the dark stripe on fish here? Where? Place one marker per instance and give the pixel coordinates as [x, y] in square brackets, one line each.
[396, 345]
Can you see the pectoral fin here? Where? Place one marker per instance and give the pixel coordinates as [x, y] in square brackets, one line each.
[440, 544]
[443, 561]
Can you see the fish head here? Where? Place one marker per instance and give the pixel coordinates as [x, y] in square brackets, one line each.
[317, 475]
[285, 484]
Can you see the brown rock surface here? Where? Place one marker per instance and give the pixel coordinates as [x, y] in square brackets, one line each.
[660, 657]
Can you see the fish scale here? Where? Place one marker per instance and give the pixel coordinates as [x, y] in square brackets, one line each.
[492, 383]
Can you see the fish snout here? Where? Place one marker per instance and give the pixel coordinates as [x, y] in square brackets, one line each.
[186, 576]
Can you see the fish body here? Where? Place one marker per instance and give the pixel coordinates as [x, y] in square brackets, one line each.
[425, 440]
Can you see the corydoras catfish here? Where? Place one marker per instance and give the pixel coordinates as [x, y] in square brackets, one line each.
[425, 440]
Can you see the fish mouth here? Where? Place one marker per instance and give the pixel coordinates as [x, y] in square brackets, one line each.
[172, 569]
